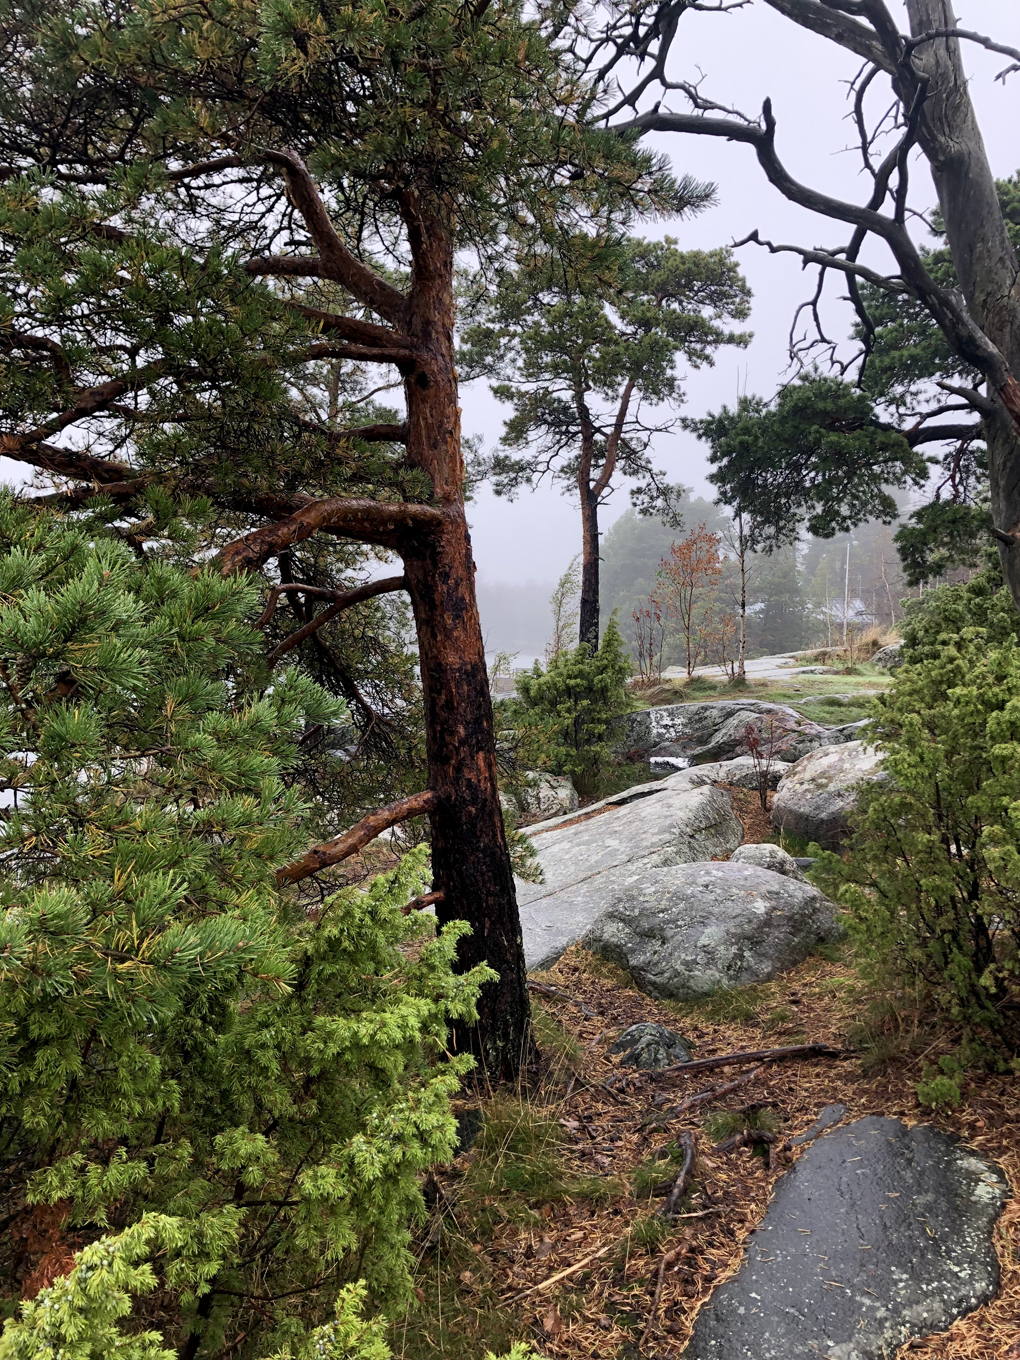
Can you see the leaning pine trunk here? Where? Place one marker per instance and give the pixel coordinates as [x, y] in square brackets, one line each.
[983, 255]
[470, 859]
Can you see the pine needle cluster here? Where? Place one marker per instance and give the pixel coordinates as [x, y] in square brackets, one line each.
[220, 1099]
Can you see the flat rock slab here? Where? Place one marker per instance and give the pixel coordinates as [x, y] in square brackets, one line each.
[878, 1234]
[669, 823]
[689, 931]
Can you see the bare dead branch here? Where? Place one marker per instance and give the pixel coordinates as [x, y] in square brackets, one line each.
[345, 600]
[343, 847]
[911, 43]
[682, 1183]
[827, 22]
[755, 1055]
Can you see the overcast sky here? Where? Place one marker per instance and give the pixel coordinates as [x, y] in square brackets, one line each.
[746, 56]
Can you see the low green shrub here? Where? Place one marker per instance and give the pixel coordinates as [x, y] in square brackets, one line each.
[932, 872]
[567, 712]
[217, 1096]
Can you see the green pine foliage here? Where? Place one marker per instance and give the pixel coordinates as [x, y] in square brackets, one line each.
[76, 1317]
[258, 1079]
[566, 712]
[817, 456]
[932, 877]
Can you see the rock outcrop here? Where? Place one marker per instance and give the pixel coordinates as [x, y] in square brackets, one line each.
[688, 931]
[677, 820]
[716, 731]
[550, 795]
[890, 657]
[878, 1234]
[816, 796]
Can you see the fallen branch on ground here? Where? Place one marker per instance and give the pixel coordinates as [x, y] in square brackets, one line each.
[711, 1094]
[744, 1139]
[683, 1181]
[755, 1055]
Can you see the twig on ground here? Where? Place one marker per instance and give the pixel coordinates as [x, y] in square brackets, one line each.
[683, 1181]
[653, 1316]
[544, 989]
[755, 1055]
[744, 1139]
[562, 1274]
[713, 1091]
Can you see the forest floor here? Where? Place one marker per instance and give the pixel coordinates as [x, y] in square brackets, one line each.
[546, 1227]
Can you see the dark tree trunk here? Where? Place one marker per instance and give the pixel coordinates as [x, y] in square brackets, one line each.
[983, 255]
[470, 858]
[589, 629]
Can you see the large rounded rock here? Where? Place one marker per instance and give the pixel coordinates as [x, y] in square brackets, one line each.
[670, 821]
[818, 793]
[878, 1234]
[694, 929]
[890, 657]
[768, 856]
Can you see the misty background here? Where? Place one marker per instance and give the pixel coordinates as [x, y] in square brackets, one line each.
[523, 547]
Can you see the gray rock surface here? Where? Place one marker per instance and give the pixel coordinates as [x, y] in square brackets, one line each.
[670, 821]
[694, 929]
[816, 795]
[830, 1116]
[768, 856]
[879, 1233]
[651, 1047]
[714, 731]
[890, 657]
[551, 794]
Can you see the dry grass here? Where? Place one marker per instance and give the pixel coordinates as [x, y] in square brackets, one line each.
[612, 1136]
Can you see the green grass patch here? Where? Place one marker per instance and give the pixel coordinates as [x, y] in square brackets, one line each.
[720, 1124]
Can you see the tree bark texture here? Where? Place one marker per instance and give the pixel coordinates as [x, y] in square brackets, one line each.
[983, 255]
[470, 858]
[589, 611]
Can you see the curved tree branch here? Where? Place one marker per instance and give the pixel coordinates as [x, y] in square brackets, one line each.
[346, 600]
[343, 847]
[381, 522]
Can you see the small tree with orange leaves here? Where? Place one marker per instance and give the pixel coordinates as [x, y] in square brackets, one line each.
[690, 577]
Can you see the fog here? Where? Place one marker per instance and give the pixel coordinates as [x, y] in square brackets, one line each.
[745, 56]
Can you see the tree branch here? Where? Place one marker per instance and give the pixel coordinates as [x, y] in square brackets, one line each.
[336, 262]
[379, 522]
[350, 328]
[343, 601]
[839, 28]
[980, 39]
[343, 847]
[946, 306]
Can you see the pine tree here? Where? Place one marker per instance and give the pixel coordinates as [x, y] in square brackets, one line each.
[231, 201]
[567, 711]
[582, 341]
[184, 1044]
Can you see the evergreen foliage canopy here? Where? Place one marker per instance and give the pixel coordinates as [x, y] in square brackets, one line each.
[184, 1044]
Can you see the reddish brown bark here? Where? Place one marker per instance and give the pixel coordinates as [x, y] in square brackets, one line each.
[334, 851]
[470, 858]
